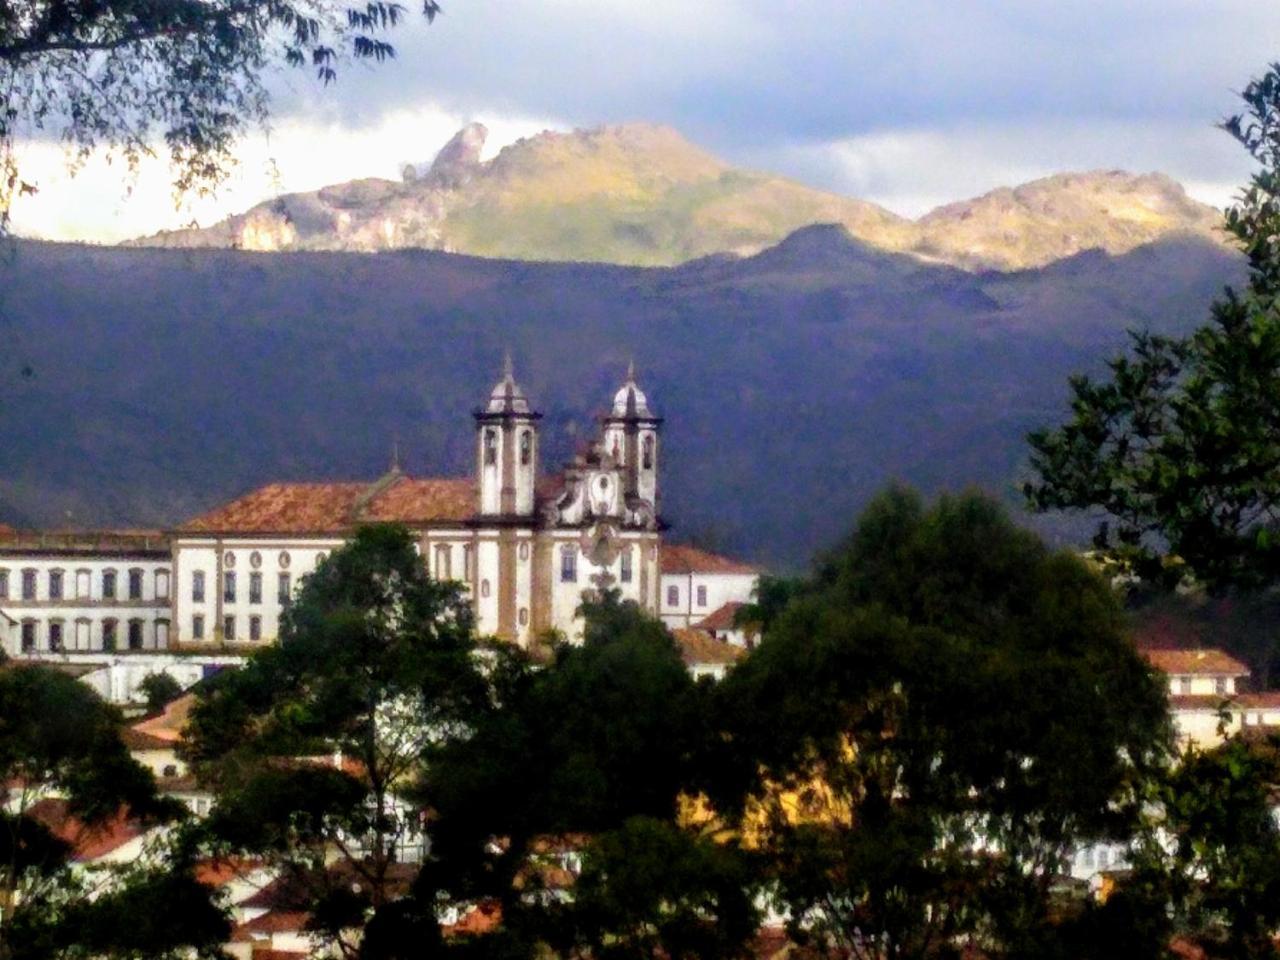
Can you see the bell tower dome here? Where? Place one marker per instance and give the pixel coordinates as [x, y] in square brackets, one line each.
[506, 449]
[631, 436]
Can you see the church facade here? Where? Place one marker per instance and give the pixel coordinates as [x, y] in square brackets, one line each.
[526, 546]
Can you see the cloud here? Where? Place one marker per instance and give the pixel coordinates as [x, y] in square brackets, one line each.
[908, 102]
[103, 203]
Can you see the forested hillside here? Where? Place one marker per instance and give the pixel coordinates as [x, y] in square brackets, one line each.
[794, 383]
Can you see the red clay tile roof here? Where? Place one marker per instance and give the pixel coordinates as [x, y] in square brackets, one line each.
[334, 508]
[679, 559]
[87, 843]
[697, 647]
[482, 918]
[222, 870]
[139, 740]
[1262, 700]
[1200, 701]
[169, 723]
[269, 953]
[274, 921]
[719, 619]
[1199, 662]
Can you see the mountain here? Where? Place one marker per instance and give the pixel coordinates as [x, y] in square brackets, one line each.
[640, 194]
[795, 383]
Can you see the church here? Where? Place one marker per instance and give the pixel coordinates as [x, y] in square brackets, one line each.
[525, 545]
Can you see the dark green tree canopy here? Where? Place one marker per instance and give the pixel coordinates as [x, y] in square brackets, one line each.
[126, 73]
[1179, 446]
[970, 706]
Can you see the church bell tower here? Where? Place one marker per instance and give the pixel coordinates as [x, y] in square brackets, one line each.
[507, 449]
[631, 438]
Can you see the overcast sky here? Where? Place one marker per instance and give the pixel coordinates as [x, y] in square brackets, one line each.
[904, 102]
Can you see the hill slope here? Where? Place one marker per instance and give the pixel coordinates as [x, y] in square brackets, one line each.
[643, 195]
[795, 383]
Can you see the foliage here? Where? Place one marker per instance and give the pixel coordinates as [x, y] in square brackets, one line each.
[313, 744]
[125, 73]
[769, 598]
[1212, 861]
[159, 688]
[929, 729]
[587, 756]
[1179, 446]
[57, 737]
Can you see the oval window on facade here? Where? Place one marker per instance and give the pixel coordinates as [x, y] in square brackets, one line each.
[524, 616]
[285, 559]
[228, 559]
[524, 551]
[484, 588]
[255, 559]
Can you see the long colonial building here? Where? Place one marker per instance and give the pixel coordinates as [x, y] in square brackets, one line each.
[526, 546]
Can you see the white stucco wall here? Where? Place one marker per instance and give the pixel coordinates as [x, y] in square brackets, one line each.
[721, 588]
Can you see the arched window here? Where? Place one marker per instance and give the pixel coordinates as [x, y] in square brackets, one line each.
[162, 584]
[624, 569]
[56, 638]
[135, 583]
[4, 584]
[28, 636]
[197, 586]
[109, 634]
[108, 584]
[647, 456]
[526, 447]
[568, 564]
[55, 584]
[28, 584]
[84, 584]
[135, 634]
[490, 447]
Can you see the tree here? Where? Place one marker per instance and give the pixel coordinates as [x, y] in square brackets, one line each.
[591, 751]
[930, 728]
[60, 744]
[312, 745]
[1179, 446]
[1211, 860]
[125, 73]
[159, 689]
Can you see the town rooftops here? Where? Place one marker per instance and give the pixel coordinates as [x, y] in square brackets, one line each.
[87, 842]
[335, 508]
[679, 559]
[697, 647]
[721, 618]
[1213, 663]
[168, 724]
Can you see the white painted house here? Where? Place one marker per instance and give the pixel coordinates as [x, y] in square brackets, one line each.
[697, 583]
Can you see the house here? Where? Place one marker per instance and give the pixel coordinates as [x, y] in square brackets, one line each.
[697, 583]
[722, 624]
[1206, 701]
[704, 655]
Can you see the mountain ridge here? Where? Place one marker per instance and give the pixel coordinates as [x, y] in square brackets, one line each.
[642, 195]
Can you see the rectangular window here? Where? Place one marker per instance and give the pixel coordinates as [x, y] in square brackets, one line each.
[82, 634]
[28, 584]
[229, 588]
[135, 584]
[624, 574]
[55, 634]
[84, 584]
[197, 586]
[702, 596]
[162, 634]
[673, 596]
[568, 565]
[4, 584]
[1184, 685]
[468, 562]
[28, 636]
[135, 634]
[55, 584]
[444, 556]
[1220, 686]
[284, 589]
[228, 628]
[255, 588]
[162, 584]
[255, 628]
[108, 584]
[108, 635]
[197, 627]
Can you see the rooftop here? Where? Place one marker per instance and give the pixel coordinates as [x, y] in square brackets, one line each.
[721, 618]
[87, 842]
[697, 647]
[1209, 662]
[129, 541]
[682, 559]
[167, 725]
[335, 508]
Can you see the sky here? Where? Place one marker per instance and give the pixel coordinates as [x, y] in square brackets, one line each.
[907, 103]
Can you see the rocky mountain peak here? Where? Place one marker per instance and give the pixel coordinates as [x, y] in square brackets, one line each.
[459, 159]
